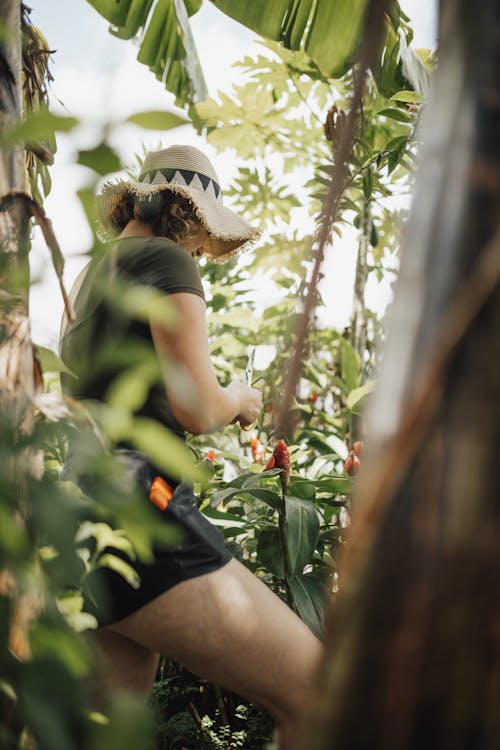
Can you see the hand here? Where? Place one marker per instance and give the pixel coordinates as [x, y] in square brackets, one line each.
[250, 403]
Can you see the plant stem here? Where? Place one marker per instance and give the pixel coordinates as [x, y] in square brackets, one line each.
[284, 548]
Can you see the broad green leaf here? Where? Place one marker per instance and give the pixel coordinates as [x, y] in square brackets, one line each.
[131, 387]
[350, 365]
[329, 30]
[223, 519]
[102, 159]
[412, 97]
[63, 644]
[335, 33]
[51, 702]
[335, 484]
[355, 397]
[167, 45]
[157, 120]
[302, 531]
[301, 488]
[266, 496]
[309, 596]
[142, 303]
[166, 451]
[270, 552]
[128, 725]
[40, 125]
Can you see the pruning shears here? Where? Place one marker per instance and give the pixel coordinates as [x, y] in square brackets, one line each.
[248, 381]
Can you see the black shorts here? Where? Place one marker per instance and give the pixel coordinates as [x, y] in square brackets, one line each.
[110, 598]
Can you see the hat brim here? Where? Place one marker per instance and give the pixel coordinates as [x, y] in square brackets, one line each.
[229, 234]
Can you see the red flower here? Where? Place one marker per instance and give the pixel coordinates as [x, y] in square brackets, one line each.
[210, 455]
[281, 460]
[352, 464]
[270, 463]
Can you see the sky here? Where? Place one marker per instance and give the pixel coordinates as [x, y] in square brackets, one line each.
[98, 80]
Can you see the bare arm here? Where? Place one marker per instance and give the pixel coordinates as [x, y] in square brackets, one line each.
[201, 405]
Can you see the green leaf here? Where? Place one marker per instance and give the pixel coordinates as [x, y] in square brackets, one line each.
[334, 35]
[269, 497]
[102, 159]
[131, 387]
[129, 724]
[223, 519]
[302, 531]
[412, 97]
[157, 120]
[167, 45]
[121, 567]
[356, 396]
[104, 537]
[167, 451]
[395, 114]
[335, 484]
[309, 596]
[51, 702]
[269, 551]
[62, 643]
[51, 362]
[350, 365]
[40, 125]
[329, 30]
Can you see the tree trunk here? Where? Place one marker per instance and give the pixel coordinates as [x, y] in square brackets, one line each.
[16, 358]
[17, 370]
[413, 645]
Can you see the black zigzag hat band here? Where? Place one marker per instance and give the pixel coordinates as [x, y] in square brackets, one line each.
[185, 177]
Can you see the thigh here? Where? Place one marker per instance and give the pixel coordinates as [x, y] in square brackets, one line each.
[229, 627]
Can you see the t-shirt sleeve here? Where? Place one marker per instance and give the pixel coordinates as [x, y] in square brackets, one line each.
[167, 267]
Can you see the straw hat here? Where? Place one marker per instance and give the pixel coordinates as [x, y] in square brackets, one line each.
[188, 172]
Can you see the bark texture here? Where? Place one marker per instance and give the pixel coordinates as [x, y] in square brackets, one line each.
[17, 364]
[413, 646]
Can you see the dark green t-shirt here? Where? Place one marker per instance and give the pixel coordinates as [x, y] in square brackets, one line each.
[105, 341]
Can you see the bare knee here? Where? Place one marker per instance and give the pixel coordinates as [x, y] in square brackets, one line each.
[289, 703]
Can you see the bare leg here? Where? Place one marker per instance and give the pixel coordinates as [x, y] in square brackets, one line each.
[120, 663]
[228, 627]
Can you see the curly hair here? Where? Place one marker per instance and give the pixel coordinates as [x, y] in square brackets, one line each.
[168, 214]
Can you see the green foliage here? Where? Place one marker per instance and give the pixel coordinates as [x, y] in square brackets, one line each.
[193, 714]
[166, 45]
[290, 538]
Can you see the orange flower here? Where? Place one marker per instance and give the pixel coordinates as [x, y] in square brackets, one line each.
[210, 455]
[257, 449]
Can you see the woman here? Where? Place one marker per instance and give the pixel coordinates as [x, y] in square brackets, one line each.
[196, 604]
